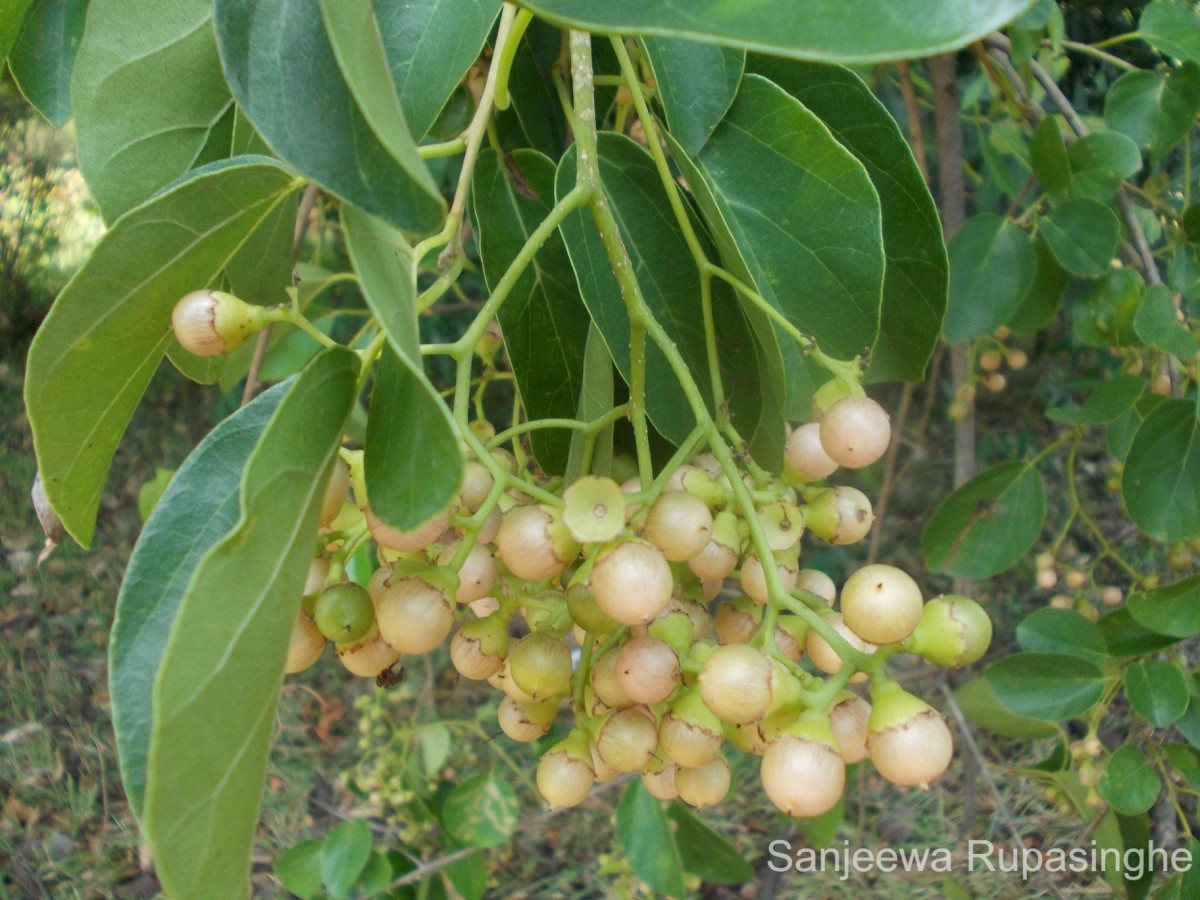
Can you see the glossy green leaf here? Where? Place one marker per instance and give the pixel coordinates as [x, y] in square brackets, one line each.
[354, 34]
[1129, 783]
[1125, 637]
[917, 276]
[1172, 609]
[543, 320]
[387, 273]
[992, 266]
[979, 704]
[706, 853]
[1082, 235]
[430, 44]
[1040, 303]
[1154, 110]
[131, 140]
[696, 86]
[1048, 155]
[1105, 404]
[666, 273]
[1051, 630]
[644, 834]
[1046, 685]
[820, 30]
[197, 509]
[1172, 28]
[12, 17]
[261, 271]
[1100, 161]
[1157, 324]
[481, 811]
[344, 855]
[824, 232]
[44, 55]
[595, 399]
[340, 145]
[1105, 316]
[86, 371]
[412, 459]
[299, 869]
[1157, 690]
[1161, 482]
[986, 525]
[218, 685]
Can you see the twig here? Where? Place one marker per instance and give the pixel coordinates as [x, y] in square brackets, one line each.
[916, 134]
[889, 474]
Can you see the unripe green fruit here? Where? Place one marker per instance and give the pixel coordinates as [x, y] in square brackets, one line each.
[679, 524]
[502, 681]
[585, 612]
[627, 739]
[840, 515]
[414, 616]
[953, 631]
[704, 785]
[344, 613]
[564, 774]
[305, 646]
[632, 582]
[802, 770]
[907, 739]
[881, 604]
[213, 323]
[855, 432]
[540, 664]
[827, 395]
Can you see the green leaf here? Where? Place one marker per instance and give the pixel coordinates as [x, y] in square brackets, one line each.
[198, 507]
[412, 459]
[696, 86]
[646, 839]
[430, 44]
[434, 741]
[543, 320]
[218, 685]
[336, 145]
[299, 869]
[261, 270]
[1046, 685]
[44, 56]
[666, 273]
[1172, 28]
[1082, 235]
[151, 492]
[469, 877]
[1129, 783]
[820, 30]
[482, 811]
[979, 704]
[987, 524]
[1105, 315]
[1048, 155]
[1040, 303]
[917, 275]
[12, 17]
[824, 232]
[1158, 691]
[1125, 637]
[1172, 609]
[130, 139]
[387, 272]
[354, 35]
[1161, 482]
[344, 855]
[1154, 110]
[1100, 161]
[107, 331]
[1052, 630]
[595, 399]
[704, 852]
[991, 270]
[376, 875]
[1157, 324]
[1105, 404]
[1189, 724]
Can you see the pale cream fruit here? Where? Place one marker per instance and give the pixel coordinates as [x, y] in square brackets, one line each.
[632, 582]
[647, 669]
[414, 616]
[705, 785]
[407, 541]
[306, 645]
[805, 456]
[881, 604]
[679, 524]
[855, 432]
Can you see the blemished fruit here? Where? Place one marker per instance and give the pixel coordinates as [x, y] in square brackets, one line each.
[414, 616]
[855, 432]
[533, 545]
[953, 631]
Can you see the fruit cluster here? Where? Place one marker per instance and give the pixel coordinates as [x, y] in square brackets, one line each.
[616, 600]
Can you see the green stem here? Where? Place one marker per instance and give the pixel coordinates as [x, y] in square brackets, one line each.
[591, 427]
[508, 51]
[1095, 52]
[446, 148]
[289, 315]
